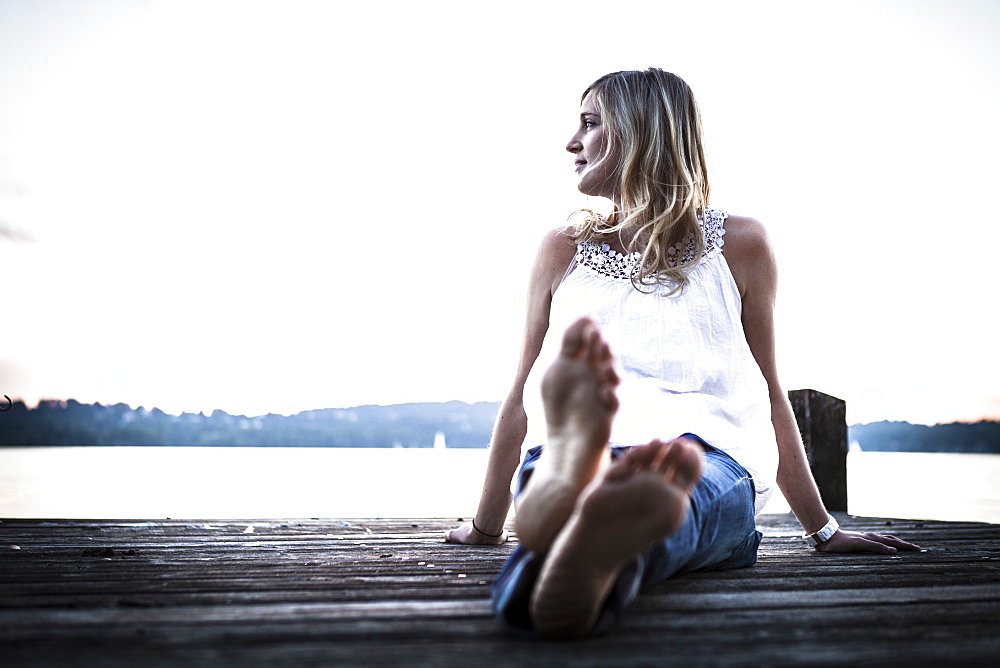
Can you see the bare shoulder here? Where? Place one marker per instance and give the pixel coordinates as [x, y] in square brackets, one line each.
[747, 250]
[555, 253]
[744, 235]
[558, 243]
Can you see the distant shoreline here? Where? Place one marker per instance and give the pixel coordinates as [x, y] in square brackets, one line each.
[454, 424]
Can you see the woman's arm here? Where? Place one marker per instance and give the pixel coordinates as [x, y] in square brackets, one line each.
[751, 260]
[511, 425]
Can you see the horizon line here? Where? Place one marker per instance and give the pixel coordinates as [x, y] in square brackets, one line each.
[209, 414]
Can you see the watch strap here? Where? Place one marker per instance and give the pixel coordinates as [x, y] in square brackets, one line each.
[824, 534]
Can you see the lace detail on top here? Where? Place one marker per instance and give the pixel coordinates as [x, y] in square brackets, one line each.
[603, 260]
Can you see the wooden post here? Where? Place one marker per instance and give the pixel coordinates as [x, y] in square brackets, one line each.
[822, 422]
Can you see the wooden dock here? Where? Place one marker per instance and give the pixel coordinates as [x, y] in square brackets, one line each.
[389, 592]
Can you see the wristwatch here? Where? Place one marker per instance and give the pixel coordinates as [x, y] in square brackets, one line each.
[824, 534]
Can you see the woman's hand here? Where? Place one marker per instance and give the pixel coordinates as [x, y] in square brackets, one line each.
[467, 535]
[852, 541]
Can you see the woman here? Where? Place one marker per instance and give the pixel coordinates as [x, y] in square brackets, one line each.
[684, 296]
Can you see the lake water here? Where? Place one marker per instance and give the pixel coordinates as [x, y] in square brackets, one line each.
[261, 483]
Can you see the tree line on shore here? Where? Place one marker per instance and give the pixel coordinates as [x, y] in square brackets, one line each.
[56, 422]
[418, 425]
[971, 437]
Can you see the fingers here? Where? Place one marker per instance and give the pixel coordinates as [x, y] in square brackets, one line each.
[849, 541]
[891, 541]
[874, 546]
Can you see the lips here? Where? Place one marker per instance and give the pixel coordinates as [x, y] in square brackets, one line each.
[580, 164]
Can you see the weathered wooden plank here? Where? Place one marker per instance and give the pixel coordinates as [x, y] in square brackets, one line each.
[322, 591]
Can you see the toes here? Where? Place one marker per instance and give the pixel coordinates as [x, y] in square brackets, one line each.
[644, 456]
[599, 351]
[606, 370]
[608, 397]
[666, 461]
[678, 461]
[577, 338]
[620, 469]
[685, 462]
[582, 341]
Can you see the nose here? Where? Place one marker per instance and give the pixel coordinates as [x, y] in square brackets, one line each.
[574, 145]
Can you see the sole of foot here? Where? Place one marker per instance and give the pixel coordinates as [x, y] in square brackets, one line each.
[578, 392]
[639, 500]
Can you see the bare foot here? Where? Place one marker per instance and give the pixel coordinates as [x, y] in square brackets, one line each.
[641, 499]
[578, 392]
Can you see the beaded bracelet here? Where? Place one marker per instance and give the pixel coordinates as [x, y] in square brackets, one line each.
[483, 532]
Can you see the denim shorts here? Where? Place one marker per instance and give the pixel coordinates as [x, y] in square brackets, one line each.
[718, 533]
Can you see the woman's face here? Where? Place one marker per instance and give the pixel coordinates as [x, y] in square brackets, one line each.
[597, 170]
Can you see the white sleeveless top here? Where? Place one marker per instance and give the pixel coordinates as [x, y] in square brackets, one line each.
[683, 360]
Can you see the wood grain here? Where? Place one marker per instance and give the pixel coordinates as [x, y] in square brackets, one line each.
[391, 592]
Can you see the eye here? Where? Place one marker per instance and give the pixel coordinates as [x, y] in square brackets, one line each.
[589, 123]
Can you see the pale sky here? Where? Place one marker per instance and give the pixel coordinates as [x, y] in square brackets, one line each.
[280, 206]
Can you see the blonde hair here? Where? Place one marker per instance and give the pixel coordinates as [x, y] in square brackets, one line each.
[652, 122]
